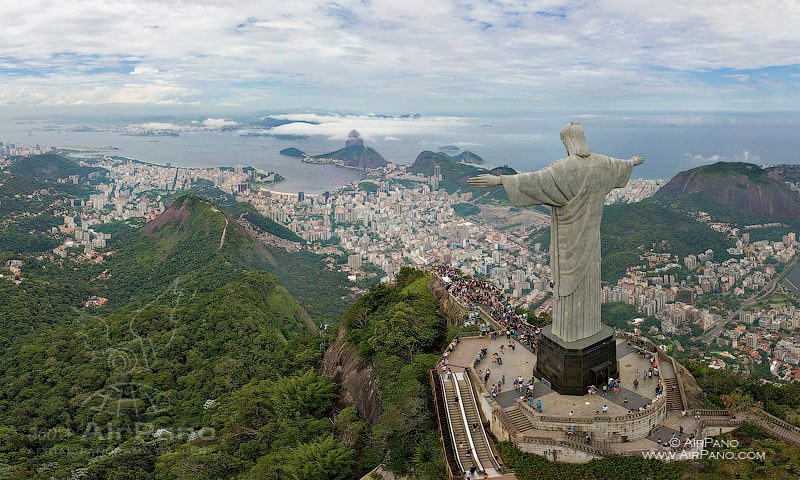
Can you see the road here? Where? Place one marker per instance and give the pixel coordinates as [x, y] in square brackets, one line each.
[224, 230]
[716, 330]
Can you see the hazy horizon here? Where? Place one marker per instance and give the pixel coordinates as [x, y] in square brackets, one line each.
[679, 83]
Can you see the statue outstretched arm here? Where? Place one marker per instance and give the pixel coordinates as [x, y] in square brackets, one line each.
[485, 180]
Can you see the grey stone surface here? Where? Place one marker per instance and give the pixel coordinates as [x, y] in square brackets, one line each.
[575, 187]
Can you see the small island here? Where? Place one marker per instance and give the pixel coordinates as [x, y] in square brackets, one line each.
[293, 152]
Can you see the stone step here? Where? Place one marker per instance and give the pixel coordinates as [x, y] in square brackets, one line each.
[519, 419]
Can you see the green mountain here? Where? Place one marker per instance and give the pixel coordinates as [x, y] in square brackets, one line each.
[49, 167]
[739, 193]
[455, 175]
[387, 343]
[504, 170]
[468, 157]
[193, 242]
[292, 152]
[357, 156]
[196, 340]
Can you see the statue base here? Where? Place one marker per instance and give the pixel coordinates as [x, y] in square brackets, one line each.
[571, 367]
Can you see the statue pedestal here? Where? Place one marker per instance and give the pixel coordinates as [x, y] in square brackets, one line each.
[571, 367]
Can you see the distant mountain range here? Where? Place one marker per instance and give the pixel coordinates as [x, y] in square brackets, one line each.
[455, 175]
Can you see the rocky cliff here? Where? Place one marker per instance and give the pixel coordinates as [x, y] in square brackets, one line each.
[359, 384]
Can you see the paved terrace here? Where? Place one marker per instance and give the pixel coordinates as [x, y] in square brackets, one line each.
[520, 362]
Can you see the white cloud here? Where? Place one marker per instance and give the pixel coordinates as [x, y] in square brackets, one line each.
[391, 139]
[218, 122]
[746, 156]
[143, 70]
[387, 55]
[337, 127]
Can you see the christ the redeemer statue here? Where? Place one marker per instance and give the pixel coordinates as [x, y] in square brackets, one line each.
[576, 188]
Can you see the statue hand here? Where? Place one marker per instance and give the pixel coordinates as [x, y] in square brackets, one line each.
[637, 160]
[485, 180]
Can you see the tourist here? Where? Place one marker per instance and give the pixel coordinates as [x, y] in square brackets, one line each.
[636, 384]
[605, 408]
[539, 406]
[571, 414]
[588, 439]
[681, 430]
[503, 380]
[502, 347]
[570, 431]
[472, 470]
[625, 400]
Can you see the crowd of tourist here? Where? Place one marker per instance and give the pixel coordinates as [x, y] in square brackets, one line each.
[474, 293]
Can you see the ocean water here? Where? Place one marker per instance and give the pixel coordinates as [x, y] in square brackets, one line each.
[670, 143]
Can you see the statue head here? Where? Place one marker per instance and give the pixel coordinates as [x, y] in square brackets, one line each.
[574, 139]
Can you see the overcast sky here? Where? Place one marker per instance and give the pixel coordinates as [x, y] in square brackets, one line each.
[395, 56]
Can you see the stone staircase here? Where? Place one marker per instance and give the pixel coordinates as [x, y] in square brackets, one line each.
[518, 419]
[776, 427]
[674, 401]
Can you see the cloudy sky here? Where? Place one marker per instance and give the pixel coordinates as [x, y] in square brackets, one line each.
[434, 56]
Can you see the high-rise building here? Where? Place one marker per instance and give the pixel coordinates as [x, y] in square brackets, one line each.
[685, 295]
[354, 261]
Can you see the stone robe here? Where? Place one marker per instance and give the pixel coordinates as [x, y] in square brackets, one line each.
[576, 188]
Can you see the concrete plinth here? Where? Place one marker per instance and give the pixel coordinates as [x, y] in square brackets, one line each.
[570, 367]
